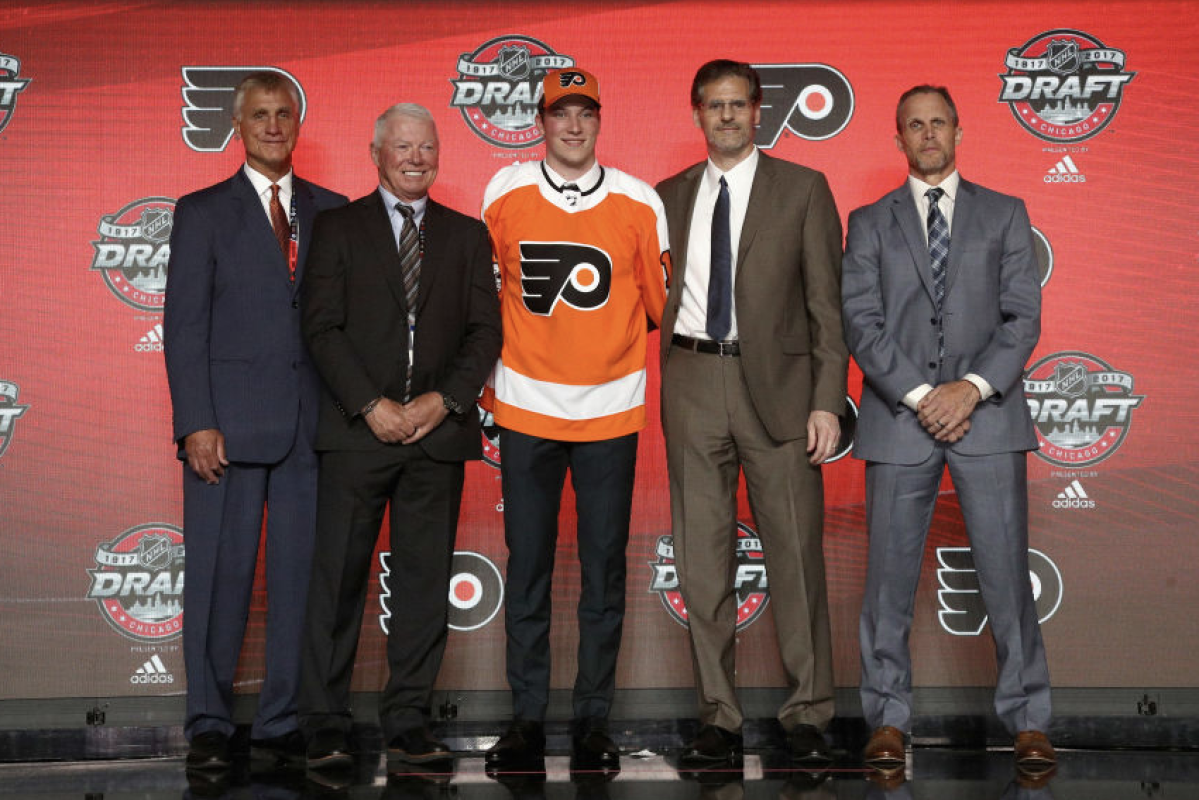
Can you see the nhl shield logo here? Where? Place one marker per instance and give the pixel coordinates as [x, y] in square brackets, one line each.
[514, 62]
[1063, 56]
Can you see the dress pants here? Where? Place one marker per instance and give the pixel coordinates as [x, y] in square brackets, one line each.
[899, 507]
[533, 472]
[222, 526]
[712, 433]
[425, 498]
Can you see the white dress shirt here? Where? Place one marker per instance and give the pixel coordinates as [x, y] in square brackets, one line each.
[693, 307]
[262, 186]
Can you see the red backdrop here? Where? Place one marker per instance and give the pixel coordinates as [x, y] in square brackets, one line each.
[109, 113]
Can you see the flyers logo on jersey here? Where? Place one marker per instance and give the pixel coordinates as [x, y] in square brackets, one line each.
[576, 274]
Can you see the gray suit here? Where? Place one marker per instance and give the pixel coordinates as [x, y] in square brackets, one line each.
[990, 317]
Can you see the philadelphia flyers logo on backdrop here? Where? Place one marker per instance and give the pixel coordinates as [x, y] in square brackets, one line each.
[577, 274]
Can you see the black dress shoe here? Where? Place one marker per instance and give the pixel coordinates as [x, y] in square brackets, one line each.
[328, 749]
[208, 751]
[279, 751]
[807, 745]
[592, 749]
[713, 745]
[522, 747]
[416, 746]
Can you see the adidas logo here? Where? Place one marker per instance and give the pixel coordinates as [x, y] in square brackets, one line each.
[1073, 496]
[153, 671]
[1065, 171]
[152, 341]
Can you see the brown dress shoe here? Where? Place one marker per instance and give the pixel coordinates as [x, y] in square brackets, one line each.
[885, 749]
[1034, 753]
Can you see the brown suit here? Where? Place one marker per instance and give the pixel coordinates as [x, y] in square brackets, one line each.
[721, 415]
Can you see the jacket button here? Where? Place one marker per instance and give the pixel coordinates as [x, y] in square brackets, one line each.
[295, 303]
[932, 365]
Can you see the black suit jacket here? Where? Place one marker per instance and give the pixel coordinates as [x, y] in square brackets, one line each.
[355, 321]
[234, 357]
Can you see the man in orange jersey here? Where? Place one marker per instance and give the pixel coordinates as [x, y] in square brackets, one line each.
[753, 381]
[581, 251]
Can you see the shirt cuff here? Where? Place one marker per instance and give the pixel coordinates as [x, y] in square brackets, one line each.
[985, 389]
[913, 398]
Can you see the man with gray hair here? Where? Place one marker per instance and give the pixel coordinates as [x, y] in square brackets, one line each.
[244, 395]
[400, 313]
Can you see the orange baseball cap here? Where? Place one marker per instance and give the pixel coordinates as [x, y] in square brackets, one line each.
[564, 83]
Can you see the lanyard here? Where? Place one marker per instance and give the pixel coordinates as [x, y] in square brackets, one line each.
[293, 245]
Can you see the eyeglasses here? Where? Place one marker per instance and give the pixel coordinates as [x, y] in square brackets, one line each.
[719, 106]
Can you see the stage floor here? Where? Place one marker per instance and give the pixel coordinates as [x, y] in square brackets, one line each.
[943, 774]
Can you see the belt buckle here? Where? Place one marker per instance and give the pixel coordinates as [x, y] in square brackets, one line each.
[726, 349]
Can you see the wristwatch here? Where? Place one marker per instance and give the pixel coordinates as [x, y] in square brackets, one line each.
[451, 405]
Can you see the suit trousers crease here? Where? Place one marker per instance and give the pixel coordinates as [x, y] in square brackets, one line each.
[712, 432]
[355, 490]
[223, 527]
[901, 499]
[602, 476]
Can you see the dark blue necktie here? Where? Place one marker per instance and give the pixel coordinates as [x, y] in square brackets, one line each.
[720, 279]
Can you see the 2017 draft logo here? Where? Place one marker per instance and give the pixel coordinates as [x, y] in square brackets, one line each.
[498, 86]
[10, 412]
[208, 104]
[476, 591]
[751, 586]
[849, 428]
[10, 86]
[138, 582]
[813, 101]
[1081, 407]
[133, 251]
[962, 610]
[1064, 85]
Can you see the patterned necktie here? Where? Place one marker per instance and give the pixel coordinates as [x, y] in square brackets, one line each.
[938, 242]
[720, 278]
[409, 250]
[279, 221]
[409, 258]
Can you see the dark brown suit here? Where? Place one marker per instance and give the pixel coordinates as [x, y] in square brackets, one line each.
[721, 415]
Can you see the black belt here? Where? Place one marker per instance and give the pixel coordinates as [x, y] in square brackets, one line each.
[708, 346]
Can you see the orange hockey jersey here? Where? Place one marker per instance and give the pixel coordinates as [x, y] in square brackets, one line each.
[579, 274]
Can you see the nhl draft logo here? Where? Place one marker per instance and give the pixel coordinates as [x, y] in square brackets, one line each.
[812, 101]
[10, 86]
[476, 591]
[138, 582]
[750, 584]
[498, 86]
[10, 412]
[1064, 85]
[1081, 407]
[962, 610]
[208, 104]
[491, 439]
[133, 251]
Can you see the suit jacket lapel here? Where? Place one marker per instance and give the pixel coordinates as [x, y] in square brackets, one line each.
[964, 213]
[305, 217]
[435, 244]
[759, 208]
[683, 236]
[262, 235]
[910, 224]
[380, 238]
